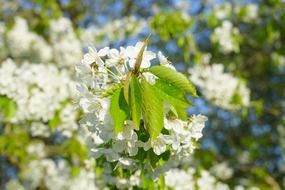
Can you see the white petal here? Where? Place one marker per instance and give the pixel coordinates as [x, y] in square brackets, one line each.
[103, 52]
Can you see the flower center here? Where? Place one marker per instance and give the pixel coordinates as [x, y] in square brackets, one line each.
[121, 61]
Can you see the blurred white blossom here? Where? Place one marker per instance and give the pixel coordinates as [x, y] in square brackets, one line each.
[26, 45]
[219, 87]
[52, 175]
[39, 91]
[222, 171]
[67, 50]
[227, 37]
[115, 30]
[3, 51]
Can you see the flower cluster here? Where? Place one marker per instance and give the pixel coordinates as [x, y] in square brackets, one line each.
[227, 37]
[251, 12]
[109, 178]
[181, 135]
[185, 180]
[248, 12]
[40, 92]
[101, 75]
[62, 46]
[190, 179]
[222, 171]
[115, 30]
[33, 47]
[220, 88]
[51, 175]
[67, 49]
[222, 11]
[3, 50]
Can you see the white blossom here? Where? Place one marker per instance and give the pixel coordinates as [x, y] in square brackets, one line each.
[112, 31]
[39, 129]
[133, 52]
[183, 134]
[222, 11]
[33, 47]
[248, 12]
[196, 125]
[180, 180]
[163, 61]
[38, 90]
[227, 36]
[206, 181]
[37, 148]
[159, 145]
[252, 11]
[222, 171]
[14, 184]
[67, 50]
[55, 176]
[190, 179]
[150, 78]
[3, 51]
[219, 87]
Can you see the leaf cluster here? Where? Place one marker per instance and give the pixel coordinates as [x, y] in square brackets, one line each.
[143, 103]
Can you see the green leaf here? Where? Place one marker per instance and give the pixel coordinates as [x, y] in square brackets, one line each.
[135, 102]
[55, 121]
[172, 112]
[127, 87]
[153, 158]
[171, 93]
[119, 110]
[175, 78]
[141, 155]
[181, 111]
[177, 112]
[166, 155]
[236, 99]
[152, 109]
[72, 148]
[148, 183]
[140, 55]
[110, 91]
[75, 170]
[174, 96]
[8, 107]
